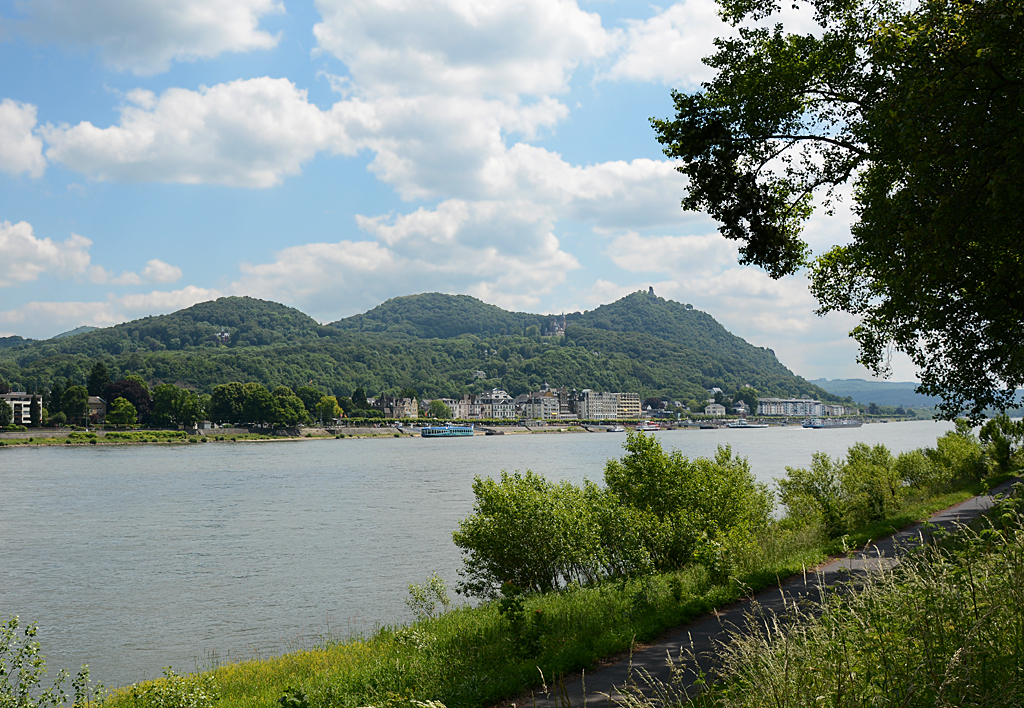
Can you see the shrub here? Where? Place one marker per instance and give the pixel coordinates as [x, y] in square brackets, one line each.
[840, 494]
[659, 512]
[958, 455]
[175, 691]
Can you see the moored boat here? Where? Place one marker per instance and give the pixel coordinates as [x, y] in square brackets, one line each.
[744, 424]
[446, 431]
[831, 423]
[647, 426]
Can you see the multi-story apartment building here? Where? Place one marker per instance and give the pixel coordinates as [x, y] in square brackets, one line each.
[790, 407]
[21, 403]
[597, 406]
[500, 403]
[628, 405]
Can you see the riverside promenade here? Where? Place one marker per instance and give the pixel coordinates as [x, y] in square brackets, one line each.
[702, 637]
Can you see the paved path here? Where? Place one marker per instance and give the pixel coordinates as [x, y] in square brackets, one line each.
[701, 637]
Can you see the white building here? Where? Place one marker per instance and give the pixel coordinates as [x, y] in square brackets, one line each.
[800, 407]
[21, 404]
[502, 405]
[714, 409]
[597, 406]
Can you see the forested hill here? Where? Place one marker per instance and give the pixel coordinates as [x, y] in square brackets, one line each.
[440, 345]
[438, 315]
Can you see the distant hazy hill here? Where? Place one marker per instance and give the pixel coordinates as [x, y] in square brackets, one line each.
[441, 345]
[77, 330]
[884, 393]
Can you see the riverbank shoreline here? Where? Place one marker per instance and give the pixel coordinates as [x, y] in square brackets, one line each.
[64, 436]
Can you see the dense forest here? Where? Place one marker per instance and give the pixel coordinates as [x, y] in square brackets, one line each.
[435, 344]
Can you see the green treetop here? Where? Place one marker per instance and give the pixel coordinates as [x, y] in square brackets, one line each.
[920, 109]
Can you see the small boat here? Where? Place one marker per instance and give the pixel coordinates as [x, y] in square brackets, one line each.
[446, 431]
[616, 429]
[744, 424]
[647, 426]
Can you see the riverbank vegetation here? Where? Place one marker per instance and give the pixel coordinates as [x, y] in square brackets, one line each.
[595, 570]
[943, 628]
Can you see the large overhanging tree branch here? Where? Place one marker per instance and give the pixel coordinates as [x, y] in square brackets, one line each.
[924, 110]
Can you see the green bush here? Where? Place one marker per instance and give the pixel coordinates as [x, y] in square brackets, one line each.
[840, 494]
[959, 456]
[659, 512]
[175, 691]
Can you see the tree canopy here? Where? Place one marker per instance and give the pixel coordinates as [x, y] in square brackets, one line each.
[921, 109]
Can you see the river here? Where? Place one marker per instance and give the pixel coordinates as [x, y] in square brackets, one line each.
[138, 557]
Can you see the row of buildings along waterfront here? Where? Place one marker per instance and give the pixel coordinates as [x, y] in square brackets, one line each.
[546, 404]
[801, 407]
[565, 404]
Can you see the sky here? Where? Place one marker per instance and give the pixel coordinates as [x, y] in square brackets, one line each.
[332, 154]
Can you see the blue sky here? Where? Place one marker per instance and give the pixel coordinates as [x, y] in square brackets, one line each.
[331, 154]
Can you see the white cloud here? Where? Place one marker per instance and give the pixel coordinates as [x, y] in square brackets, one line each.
[156, 271]
[249, 133]
[465, 47]
[100, 276]
[145, 36]
[21, 150]
[23, 257]
[44, 319]
[668, 47]
[503, 252]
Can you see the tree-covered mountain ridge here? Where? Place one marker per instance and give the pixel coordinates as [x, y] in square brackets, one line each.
[440, 345]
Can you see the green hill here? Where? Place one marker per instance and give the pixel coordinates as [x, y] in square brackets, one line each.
[440, 345]
[436, 315]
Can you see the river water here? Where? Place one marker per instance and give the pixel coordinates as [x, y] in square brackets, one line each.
[138, 557]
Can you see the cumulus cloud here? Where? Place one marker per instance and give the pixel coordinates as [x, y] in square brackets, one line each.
[249, 133]
[25, 257]
[478, 48]
[145, 36]
[668, 47]
[156, 271]
[21, 150]
[44, 319]
[505, 253]
[99, 275]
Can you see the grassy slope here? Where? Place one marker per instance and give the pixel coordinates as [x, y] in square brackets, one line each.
[473, 657]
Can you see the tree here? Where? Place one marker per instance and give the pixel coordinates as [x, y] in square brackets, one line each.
[6, 413]
[178, 406]
[122, 412]
[99, 379]
[290, 409]
[328, 409]
[438, 409]
[136, 393]
[310, 396]
[75, 402]
[258, 405]
[35, 411]
[359, 398]
[226, 403]
[920, 109]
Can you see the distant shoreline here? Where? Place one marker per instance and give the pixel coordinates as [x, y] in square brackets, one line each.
[54, 437]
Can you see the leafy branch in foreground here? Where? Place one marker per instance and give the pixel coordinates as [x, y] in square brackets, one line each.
[23, 667]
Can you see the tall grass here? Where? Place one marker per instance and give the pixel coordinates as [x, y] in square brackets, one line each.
[945, 627]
